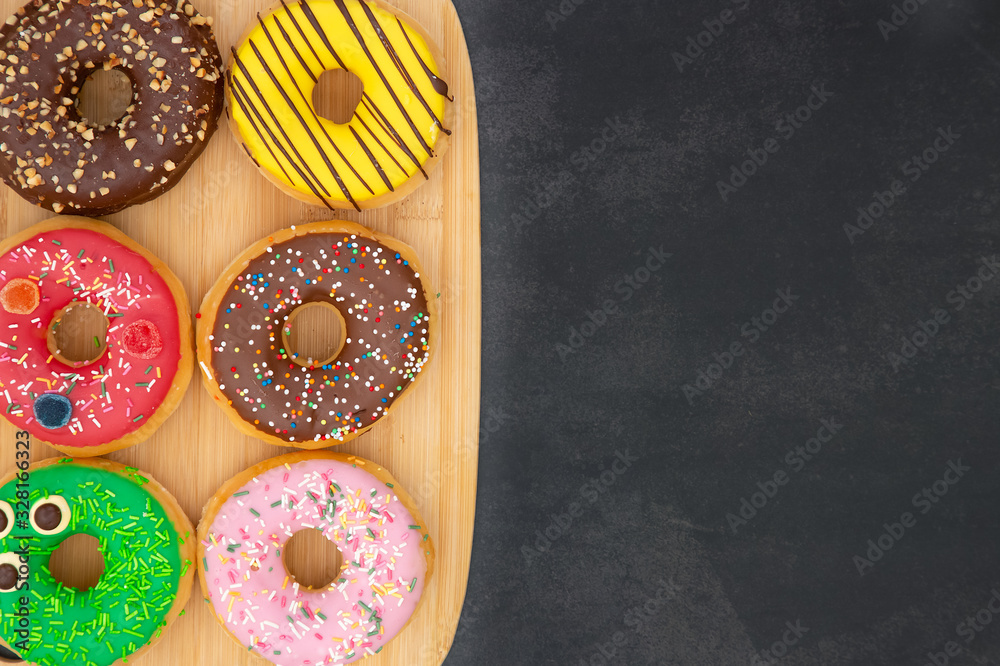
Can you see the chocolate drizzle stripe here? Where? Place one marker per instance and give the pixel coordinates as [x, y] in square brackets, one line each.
[308, 41]
[387, 127]
[318, 29]
[391, 51]
[301, 165]
[396, 139]
[378, 167]
[302, 61]
[440, 86]
[379, 141]
[364, 47]
[244, 103]
[253, 123]
[305, 126]
[270, 150]
[308, 103]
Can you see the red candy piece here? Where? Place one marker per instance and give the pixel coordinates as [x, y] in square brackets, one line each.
[20, 296]
[142, 339]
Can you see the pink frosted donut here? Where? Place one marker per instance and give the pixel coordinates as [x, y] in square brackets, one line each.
[386, 552]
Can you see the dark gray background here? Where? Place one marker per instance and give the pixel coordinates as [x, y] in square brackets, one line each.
[553, 421]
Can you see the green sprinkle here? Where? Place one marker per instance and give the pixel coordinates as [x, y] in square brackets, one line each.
[274, 504]
[148, 369]
[241, 493]
[414, 527]
[254, 512]
[412, 583]
[138, 418]
[55, 242]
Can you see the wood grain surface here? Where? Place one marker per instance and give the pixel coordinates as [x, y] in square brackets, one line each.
[429, 442]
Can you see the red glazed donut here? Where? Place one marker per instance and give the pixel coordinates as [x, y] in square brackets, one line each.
[135, 377]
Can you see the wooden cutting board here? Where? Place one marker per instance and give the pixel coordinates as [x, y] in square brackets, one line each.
[429, 442]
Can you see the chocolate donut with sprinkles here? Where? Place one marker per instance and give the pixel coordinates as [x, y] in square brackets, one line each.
[388, 327]
[386, 553]
[115, 389]
[146, 541]
[396, 136]
[55, 158]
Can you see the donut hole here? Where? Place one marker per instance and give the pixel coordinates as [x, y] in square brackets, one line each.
[314, 334]
[337, 95]
[78, 334]
[78, 562]
[312, 560]
[104, 97]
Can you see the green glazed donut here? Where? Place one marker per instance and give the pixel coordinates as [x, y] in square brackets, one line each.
[148, 546]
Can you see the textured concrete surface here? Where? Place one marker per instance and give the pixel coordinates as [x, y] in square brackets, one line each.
[702, 401]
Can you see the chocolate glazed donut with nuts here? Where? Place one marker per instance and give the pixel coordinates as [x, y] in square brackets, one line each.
[59, 160]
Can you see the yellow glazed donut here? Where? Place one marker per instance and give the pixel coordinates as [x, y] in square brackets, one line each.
[398, 132]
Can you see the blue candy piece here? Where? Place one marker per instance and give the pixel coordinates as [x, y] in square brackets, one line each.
[52, 411]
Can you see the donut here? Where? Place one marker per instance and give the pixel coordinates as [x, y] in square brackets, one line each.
[384, 545]
[399, 131]
[148, 548]
[135, 377]
[59, 160]
[388, 323]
